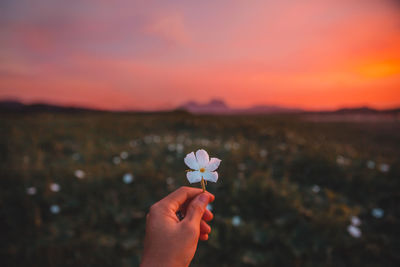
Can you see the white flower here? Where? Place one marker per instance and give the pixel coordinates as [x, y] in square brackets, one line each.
[179, 148]
[171, 147]
[128, 178]
[384, 167]
[55, 187]
[156, 139]
[370, 164]
[354, 231]
[355, 221]
[133, 143]
[236, 220]
[202, 166]
[116, 160]
[378, 213]
[124, 155]
[55, 209]
[31, 191]
[170, 181]
[340, 160]
[316, 188]
[80, 174]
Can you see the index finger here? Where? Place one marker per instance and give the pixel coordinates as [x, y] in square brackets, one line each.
[180, 196]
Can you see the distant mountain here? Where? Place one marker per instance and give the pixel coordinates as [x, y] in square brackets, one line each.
[261, 109]
[214, 106]
[217, 106]
[16, 106]
[360, 111]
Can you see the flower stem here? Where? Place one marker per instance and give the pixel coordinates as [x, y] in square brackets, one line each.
[203, 184]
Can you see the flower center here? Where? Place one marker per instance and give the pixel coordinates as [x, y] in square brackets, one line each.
[202, 170]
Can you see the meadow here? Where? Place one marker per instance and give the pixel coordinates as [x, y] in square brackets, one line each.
[75, 188]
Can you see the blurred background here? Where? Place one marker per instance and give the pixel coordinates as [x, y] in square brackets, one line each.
[100, 101]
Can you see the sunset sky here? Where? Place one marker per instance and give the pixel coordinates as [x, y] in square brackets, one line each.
[144, 54]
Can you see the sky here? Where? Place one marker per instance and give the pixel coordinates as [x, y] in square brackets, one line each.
[145, 54]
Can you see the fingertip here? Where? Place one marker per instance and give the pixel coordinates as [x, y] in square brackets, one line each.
[203, 237]
[204, 227]
[207, 215]
[212, 197]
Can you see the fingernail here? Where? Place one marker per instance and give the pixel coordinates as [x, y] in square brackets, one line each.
[203, 198]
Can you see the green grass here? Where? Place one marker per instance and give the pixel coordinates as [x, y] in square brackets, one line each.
[284, 223]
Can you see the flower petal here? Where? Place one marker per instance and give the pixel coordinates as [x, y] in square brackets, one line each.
[202, 158]
[193, 177]
[210, 176]
[191, 161]
[213, 164]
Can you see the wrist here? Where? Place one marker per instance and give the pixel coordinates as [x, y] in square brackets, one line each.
[156, 262]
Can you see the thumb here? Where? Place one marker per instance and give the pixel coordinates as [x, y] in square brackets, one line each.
[196, 208]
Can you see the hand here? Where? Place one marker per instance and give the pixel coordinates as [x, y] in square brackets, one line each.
[169, 241]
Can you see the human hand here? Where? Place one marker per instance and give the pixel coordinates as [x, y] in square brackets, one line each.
[169, 241]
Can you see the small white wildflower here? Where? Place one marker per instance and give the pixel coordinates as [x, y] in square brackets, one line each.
[316, 188]
[80, 174]
[128, 178]
[205, 142]
[370, 164]
[228, 146]
[55, 209]
[55, 187]
[202, 166]
[210, 207]
[170, 181]
[116, 160]
[156, 139]
[378, 213]
[179, 148]
[31, 191]
[354, 231]
[171, 147]
[340, 160]
[355, 221]
[235, 146]
[133, 143]
[124, 155]
[236, 220]
[384, 167]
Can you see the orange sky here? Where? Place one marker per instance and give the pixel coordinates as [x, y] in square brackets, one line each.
[157, 54]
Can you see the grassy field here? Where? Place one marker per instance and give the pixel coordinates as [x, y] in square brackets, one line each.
[75, 188]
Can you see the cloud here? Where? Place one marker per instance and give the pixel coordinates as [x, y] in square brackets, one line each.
[168, 51]
[170, 28]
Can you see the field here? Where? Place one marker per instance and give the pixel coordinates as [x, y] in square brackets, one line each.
[75, 188]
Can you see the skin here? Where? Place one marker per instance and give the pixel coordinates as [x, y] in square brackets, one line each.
[170, 242]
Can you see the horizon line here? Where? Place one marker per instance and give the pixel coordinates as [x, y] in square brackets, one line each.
[178, 107]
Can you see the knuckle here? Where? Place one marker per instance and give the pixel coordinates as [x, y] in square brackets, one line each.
[183, 188]
[154, 208]
[197, 207]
